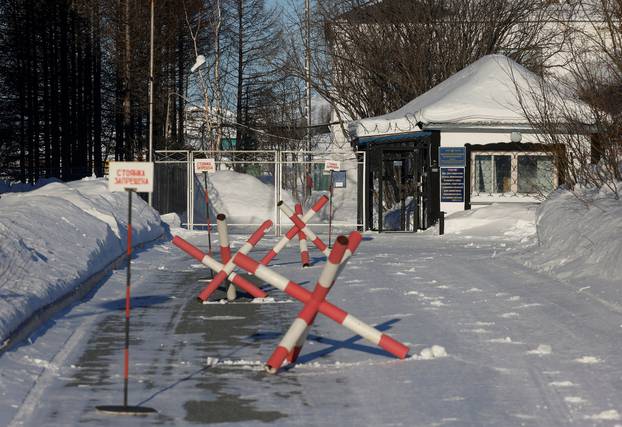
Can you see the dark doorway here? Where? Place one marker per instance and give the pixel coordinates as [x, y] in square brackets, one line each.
[403, 182]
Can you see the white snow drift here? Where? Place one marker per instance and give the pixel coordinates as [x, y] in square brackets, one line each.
[56, 237]
[580, 234]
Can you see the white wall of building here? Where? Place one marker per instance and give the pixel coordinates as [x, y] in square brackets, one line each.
[459, 138]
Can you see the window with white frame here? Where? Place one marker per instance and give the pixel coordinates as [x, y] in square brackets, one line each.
[512, 173]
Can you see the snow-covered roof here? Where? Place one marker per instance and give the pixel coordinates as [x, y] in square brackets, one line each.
[484, 93]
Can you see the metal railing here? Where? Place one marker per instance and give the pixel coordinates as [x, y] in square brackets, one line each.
[296, 176]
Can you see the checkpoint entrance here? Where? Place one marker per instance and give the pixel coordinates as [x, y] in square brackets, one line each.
[403, 182]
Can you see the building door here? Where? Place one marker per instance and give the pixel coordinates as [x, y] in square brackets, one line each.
[400, 191]
[403, 184]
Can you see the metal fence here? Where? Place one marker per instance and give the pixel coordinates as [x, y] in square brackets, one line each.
[248, 185]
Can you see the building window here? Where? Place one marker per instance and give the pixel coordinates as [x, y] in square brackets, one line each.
[535, 174]
[512, 173]
[493, 173]
[483, 174]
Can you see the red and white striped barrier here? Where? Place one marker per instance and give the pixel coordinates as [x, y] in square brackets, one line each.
[326, 308]
[293, 231]
[223, 237]
[354, 240]
[302, 241]
[211, 263]
[302, 226]
[307, 315]
[225, 250]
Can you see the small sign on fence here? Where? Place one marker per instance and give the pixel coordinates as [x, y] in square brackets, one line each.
[204, 165]
[339, 179]
[136, 176]
[332, 165]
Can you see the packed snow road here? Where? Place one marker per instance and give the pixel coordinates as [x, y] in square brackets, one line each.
[522, 348]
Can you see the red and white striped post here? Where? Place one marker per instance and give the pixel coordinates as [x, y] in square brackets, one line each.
[302, 242]
[223, 237]
[293, 231]
[222, 275]
[122, 178]
[354, 240]
[302, 226]
[225, 250]
[305, 318]
[214, 265]
[326, 308]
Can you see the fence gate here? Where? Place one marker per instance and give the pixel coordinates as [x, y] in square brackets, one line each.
[171, 176]
[248, 185]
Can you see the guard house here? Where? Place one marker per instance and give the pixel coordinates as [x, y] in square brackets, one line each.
[463, 143]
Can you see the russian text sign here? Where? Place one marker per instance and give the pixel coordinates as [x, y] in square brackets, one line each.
[332, 165]
[137, 176]
[452, 185]
[204, 165]
[452, 157]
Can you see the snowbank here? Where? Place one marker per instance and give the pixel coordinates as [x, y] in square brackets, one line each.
[580, 235]
[56, 237]
[510, 220]
[244, 198]
[18, 187]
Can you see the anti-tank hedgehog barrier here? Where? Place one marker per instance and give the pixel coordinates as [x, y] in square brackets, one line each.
[317, 206]
[216, 266]
[307, 315]
[328, 309]
[354, 240]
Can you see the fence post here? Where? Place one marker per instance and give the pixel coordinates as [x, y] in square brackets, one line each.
[441, 223]
[190, 213]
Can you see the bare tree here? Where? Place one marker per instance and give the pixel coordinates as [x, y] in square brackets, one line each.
[579, 116]
[373, 57]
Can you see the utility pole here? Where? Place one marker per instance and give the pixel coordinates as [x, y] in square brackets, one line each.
[308, 87]
[150, 155]
[308, 70]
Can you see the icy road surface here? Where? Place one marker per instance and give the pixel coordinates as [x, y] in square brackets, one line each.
[523, 349]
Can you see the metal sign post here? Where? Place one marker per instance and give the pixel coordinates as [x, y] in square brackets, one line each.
[206, 166]
[332, 166]
[129, 177]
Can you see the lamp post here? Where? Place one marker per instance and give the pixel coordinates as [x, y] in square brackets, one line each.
[151, 37]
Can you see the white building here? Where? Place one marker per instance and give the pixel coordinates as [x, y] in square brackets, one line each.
[464, 142]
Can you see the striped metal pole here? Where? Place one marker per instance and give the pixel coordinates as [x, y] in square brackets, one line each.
[354, 240]
[223, 237]
[326, 308]
[222, 275]
[302, 241]
[225, 250]
[302, 226]
[128, 300]
[307, 315]
[214, 265]
[293, 231]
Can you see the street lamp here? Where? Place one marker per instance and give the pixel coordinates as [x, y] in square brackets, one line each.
[200, 61]
[197, 65]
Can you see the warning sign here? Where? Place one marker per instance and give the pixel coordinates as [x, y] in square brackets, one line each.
[137, 176]
[204, 165]
[332, 165]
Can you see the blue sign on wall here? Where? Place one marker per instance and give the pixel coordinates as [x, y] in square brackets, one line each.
[452, 185]
[452, 157]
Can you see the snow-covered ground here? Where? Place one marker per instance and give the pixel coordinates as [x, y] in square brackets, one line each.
[55, 237]
[495, 339]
